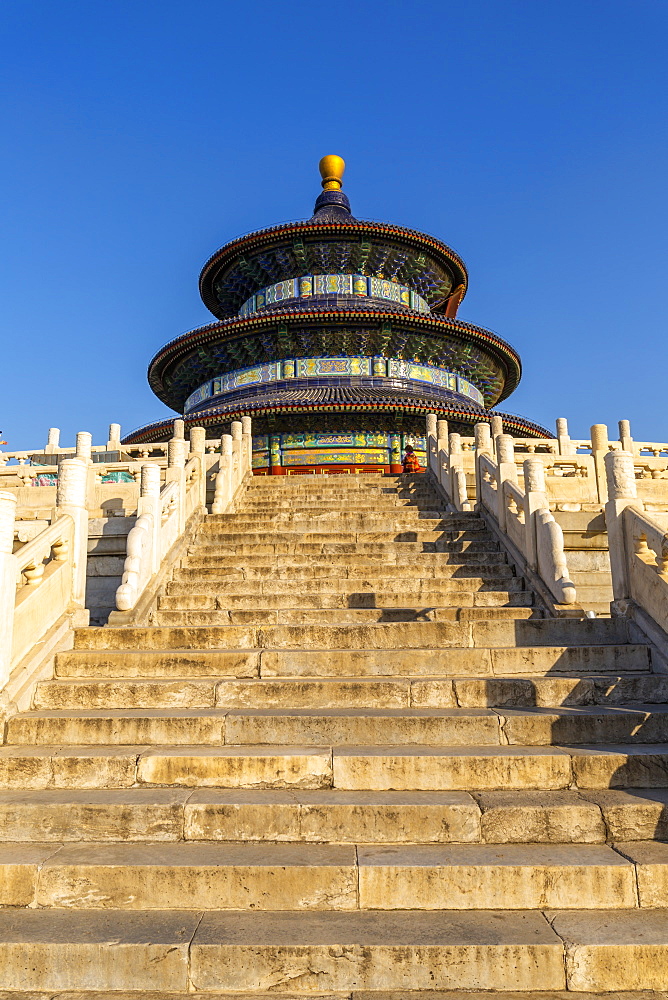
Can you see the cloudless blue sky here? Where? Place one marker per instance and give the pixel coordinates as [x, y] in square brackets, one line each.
[139, 136]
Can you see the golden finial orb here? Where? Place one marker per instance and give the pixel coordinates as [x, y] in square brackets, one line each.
[331, 171]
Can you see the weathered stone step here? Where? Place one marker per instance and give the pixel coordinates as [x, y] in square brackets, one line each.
[341, 727]
[351, 588]
[393, 635]
[379, 576]
[400, 692]
[158, 663]
[214, 727]
[376, 549]
[208, 536]
[360, 501]
[584, 950]
[58, 767]
[239, 950]
[478, 769]
[182, 597]
[205, 876]
[365, 562]
[294, 876]
[356, 771]
[333, 616]
[323, 514]
[532, 661]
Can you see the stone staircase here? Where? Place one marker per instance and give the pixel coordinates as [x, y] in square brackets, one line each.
[349, 755]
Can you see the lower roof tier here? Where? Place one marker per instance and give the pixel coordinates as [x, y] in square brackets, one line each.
[212, 351]
[342, 408]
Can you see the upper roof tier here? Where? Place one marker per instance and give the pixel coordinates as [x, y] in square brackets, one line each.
[332, 243]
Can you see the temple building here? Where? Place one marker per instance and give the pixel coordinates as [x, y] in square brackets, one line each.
[337, 336]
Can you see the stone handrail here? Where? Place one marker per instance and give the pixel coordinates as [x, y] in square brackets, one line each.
[43, 583]
[638, 544]
[235, 464]
[520, 515]
[162, 514]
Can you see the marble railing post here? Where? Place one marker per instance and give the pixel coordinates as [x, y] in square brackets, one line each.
[237, 453]
[535, 498]
[53, 441]
[71, 498]
[497, 428]
[198, 450]
[247, 441]
[8, 574]
[457, 478]
[599, 449]
[564, 444]
[395, 453]
[149, 503]
[177, 455]
[625, 438]
[483, 446]
[114, 442]
[622, 493]
[442, 453]
[223, 490]
[505, 470]
[179, 428]
[432, 462]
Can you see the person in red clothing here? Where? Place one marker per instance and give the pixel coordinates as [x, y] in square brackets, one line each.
[411, 463]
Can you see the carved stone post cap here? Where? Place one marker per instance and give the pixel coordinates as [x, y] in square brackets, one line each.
[442, 429]
[177, 452]
[115, 432]
[226, 444]
[497, 426]
[72, 482]
[562, 427]
[620, 474]
[431, 423]
[197, 439]
[482, 433]
[534, 475]
[7, 518]
[454, 443]
[246, 424]
[599, 437]
[505, 448]
[150, 480]
[54, 435]
[236, 429]
[84, 445]
[179, 428]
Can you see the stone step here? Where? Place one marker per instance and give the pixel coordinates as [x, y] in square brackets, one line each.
[323, 514]
[294, 876]
[182, 598]
[479, 662]
[158, 663]
[268, 585]
[366, 563]
[374, 549]
[393, 635]
[333, 616]
[61, 949]
[357, 501]
[342, 726]
[73, 767]
[378, 577]
[208, 536]
[400, 692]
[214, 727]
[355, 771]
[582, 950]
